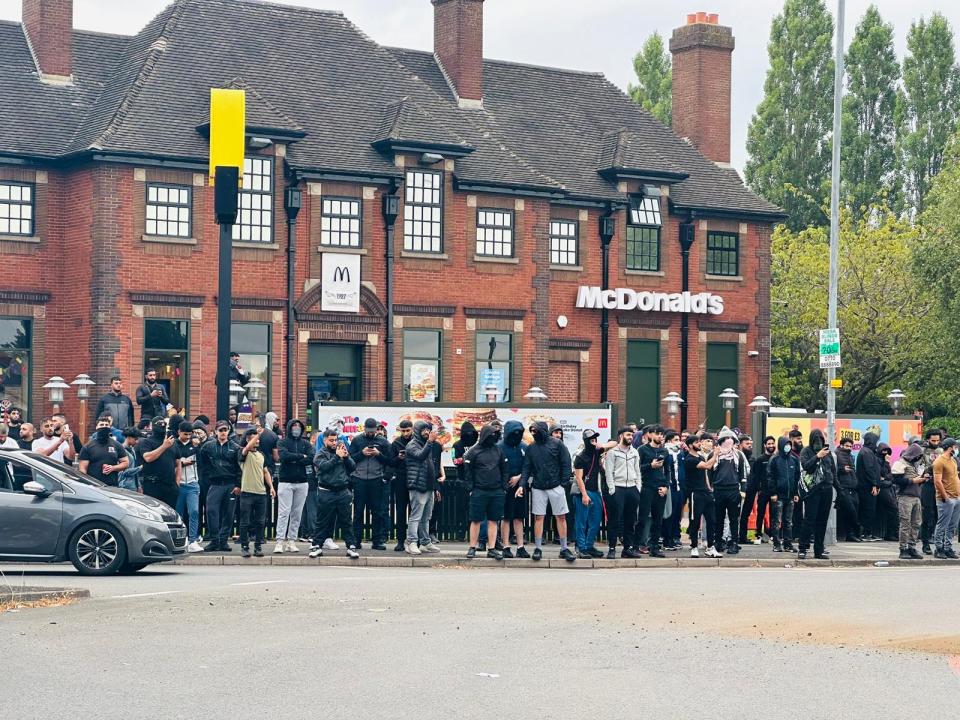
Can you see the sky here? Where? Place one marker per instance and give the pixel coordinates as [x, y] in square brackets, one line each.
[594, 35]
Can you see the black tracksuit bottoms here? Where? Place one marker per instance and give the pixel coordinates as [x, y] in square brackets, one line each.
[651, 514]
[622, 509]
[728, 504]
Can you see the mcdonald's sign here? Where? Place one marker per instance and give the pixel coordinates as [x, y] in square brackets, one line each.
[340, 283]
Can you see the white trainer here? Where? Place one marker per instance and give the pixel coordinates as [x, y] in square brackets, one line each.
[713, 552]
[278, 548]
[429, 548]
[292, 546]
[694, 552]
[194, 547]
[329, 544]
[315, 553]
[352, 552]
[412, 549]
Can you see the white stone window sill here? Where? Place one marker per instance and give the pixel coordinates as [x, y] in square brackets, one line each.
[496, 259]
[567, 268]
[648, 273]
[29, 239]
[255, 245]
[341, 250]
[725, 278]
[168, 240]
[423, 255]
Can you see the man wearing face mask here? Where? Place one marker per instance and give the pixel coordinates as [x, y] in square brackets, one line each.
[586, 470]
[160, 471]
[371, 453]
[868, 484]
[296, 470]
[514, 505]
[486, 475]
[796, 446]
[817, 460]
[546, 466]
[726, 477]
[188, 495]
[848, 500]
[782, 473]
[103, 458]
[699, 463]
[398, 483]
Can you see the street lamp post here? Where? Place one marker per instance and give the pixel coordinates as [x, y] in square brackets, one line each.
[672, 401]
[83, 384]
[761, 408]
[729, 397]
[254, 388]
[896, 398]
[55, 387]
[535, 394]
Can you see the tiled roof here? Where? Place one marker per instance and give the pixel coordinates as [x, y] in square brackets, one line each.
[314, 73]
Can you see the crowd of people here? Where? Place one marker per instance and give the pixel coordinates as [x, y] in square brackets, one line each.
[638, 487]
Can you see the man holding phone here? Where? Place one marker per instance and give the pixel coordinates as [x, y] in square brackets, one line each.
[653, 487]
[152, 396]
[188, 495]
[371, 453]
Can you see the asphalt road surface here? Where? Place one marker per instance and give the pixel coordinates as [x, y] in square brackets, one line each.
[232, 642]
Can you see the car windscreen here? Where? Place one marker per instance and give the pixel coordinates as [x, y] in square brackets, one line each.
[63, 472]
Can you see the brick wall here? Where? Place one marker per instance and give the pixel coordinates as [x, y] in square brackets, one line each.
[458, 44]
[48, 25]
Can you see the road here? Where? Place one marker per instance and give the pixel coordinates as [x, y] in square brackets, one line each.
[231, 641]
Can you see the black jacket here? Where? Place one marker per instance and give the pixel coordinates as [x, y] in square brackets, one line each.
[120, 408]
[547, 461]
[468, 438]
[846, 480]
[868, 465]
[421, 470]
[485, 465]
[398, 449]
[810, 462]
[649, 475]
[296, 455]
[757, 480]
[219, 464]
[150, 407]
[370, 468]
[333, 472]
[886, 473]
[782, 472]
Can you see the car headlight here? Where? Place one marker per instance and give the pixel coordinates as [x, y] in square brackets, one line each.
[132, 507]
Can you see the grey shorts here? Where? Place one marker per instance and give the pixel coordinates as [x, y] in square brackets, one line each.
[556, 498]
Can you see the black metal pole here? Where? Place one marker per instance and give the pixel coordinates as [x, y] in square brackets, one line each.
[608, 226]
[391, 208]
[687, 235]
[226, 186]
[292, 201]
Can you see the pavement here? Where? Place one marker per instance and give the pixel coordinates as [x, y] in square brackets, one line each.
[841, 555]
[474, 642]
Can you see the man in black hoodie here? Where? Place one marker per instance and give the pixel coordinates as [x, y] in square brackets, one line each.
[546, 466]
[398, 483]
[782, 471]
[514, 505]
[486, 475]
[653, 487]
[371, 454]
[887, 511]
[848, 499]
[726, 476]
[334, 468]
[817, 461]
[457, 486]
[868, 484]
[293, 485]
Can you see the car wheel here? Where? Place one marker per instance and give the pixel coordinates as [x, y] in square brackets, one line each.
[97, 549]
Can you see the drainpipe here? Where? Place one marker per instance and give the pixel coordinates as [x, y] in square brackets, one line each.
[390, 208]
[292, 201]
[687, 236]
[608, 227]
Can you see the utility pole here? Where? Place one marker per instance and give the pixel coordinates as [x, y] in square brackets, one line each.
[835, 219]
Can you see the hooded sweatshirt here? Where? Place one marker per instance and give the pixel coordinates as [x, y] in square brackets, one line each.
[513, 446]
[868, 466]
[782, 471]
[547, 461]
[810, 462]
[468, 438]
[847, 480]
[296, 454]
[883, 455]
[622, 468]
[485, 465]
[909, 468]
[333, 472]
[421, 469]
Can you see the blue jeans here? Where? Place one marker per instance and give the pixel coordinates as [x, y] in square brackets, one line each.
[588, 519]
[188, 499]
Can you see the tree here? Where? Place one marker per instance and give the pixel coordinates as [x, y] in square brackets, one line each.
[868, 164]
[931, 98]
[879, 309]
[654, 91]
[788, 141]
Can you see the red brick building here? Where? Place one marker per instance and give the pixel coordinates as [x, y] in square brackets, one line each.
[510, 181]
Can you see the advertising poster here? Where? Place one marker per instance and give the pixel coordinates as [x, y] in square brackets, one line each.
[423, 383]
[447, 419]
[894, 431]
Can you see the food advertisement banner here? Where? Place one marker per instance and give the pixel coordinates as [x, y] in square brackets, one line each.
[447, 419]
[894, 431]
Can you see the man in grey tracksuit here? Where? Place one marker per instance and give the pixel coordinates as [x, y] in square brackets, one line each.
[622, 470]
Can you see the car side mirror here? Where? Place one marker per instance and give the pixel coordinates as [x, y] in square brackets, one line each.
[34, 488]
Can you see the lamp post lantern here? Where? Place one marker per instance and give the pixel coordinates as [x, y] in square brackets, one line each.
[672, 401]
[535, 394]
[55, 387]
[896, 398]
[254, 389]
[729, 398]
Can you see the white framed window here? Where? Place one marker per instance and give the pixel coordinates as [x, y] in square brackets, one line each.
[646, 212]
[423, 211]
[564, 242]
[255, 216]
[340, 222]
[168, 210]
[495, 232]
[16, 208]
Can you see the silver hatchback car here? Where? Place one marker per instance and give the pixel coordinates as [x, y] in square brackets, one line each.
[50, 512]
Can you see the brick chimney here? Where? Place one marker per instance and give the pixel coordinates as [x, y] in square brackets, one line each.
[702, 52]
[48, 25]
[458, 47]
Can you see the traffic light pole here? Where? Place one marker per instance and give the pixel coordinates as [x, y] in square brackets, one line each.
[835, 220]
[226, 185]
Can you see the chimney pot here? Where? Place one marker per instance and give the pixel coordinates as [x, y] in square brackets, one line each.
[48, 26]
[702, 53]
[691, 18]
[458, 47]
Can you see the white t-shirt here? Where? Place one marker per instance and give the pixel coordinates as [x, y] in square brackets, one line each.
[42, 443]
[9, 444]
